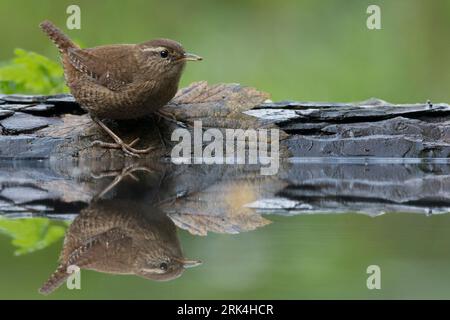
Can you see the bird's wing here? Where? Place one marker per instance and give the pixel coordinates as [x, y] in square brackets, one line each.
[111, 67]
[87, 252]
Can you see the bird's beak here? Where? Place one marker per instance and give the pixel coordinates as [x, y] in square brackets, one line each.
[191, 57]
[189, 263]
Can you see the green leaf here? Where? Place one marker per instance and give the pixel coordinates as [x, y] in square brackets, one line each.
[32, 73]
[31, 234]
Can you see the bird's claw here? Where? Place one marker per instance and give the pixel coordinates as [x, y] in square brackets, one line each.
[126, 148]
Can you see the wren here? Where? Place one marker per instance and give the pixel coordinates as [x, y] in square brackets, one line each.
[122, 81]
[121, 237]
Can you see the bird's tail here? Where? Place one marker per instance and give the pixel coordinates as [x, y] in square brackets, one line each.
[57, 36]
[55, 280]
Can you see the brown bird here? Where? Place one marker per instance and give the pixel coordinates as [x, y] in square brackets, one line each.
[123, 81]
[121, 237]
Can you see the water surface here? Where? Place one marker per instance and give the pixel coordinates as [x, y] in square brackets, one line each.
[309, 232]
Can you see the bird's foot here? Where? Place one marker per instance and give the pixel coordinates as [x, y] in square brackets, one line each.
[119, 144]
[126, 148]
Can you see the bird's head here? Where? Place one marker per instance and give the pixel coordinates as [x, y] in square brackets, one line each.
[164, 268]
[164, 57]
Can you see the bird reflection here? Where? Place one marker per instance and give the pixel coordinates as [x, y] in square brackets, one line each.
[121, 237]
[130, 226]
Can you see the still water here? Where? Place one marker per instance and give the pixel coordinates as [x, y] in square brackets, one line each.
[160, 231]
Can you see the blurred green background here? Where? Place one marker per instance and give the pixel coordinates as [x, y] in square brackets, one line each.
[303, 50]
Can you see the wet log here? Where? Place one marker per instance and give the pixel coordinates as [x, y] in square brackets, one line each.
[372, 128]
[43, 127]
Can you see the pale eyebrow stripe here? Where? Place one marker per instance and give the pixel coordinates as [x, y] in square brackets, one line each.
[154, 49]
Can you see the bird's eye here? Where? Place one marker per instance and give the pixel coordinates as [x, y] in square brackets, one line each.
[164, 54]
[163, 266]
